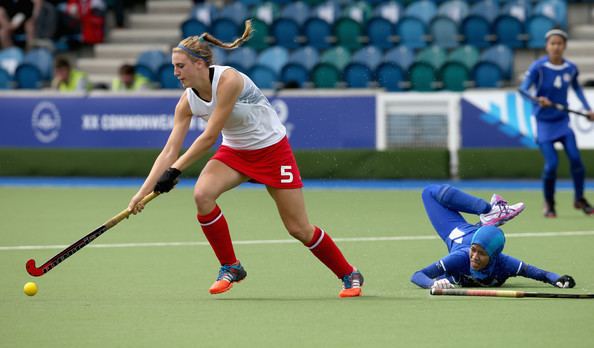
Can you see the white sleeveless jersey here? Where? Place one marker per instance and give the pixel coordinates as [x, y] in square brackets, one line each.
[253, 123]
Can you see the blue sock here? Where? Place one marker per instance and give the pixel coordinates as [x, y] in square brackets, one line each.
[457, 200]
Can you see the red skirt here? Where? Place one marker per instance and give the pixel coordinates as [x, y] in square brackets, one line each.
[273, 166]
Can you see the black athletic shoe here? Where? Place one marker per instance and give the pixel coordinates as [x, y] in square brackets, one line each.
[584, 205]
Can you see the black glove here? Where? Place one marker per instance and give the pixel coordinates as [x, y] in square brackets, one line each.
[565, 281]
[167, 181]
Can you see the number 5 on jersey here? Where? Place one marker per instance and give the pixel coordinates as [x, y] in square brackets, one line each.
[286, 174]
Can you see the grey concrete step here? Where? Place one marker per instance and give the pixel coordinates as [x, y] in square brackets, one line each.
[580, 48]
[102, 66]
[169, 6]
[126, 51]
[156, 20]
[583, 32]
[158, 36]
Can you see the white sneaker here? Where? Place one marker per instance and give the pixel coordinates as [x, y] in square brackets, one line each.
[501, 212]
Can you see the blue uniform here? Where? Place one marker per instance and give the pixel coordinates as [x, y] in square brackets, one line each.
[443, 205]
[553, 81]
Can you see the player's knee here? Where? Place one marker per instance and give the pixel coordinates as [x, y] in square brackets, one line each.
[431, 190]
[203, 197]
[301, 233]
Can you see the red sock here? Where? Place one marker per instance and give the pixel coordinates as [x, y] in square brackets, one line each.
[216, 230]
[323, 247]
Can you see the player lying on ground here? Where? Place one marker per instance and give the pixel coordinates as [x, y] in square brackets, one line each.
[475, 257]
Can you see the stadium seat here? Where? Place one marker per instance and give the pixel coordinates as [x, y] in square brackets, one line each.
[390, 76]
[242, 58]
[235, 11]
[260, 36]
[337, 56]
[43, 60]
[424, 10]
[166, 78]
[444, 32]
[10, 58]
[306, 56]
[476, 31]
[467, 55]
[509, 31]
[149, 62]
[219, 55]
[516, 8]
[327, 10]
[5, 79]
[357, 75]
[225, 29]
[454, 76]
[390, 10]
[28, 76]
[250, 3]
[422, 77]
[554, 9]
[263, 76]
[204, 12]
[487, 75]
[297, 11]
[274, 57]
[267, 12]
[286, 33]
[318, 33]
[402, 56]
[381, 32]
[502, 56]
[536, 27]
[456, 10]
[146, 71]
[325, 75]
[488, 9]
[433, 55]
[360, 11]
[191, 27]
[294, 74]
[411, 32]
[370, 56]
[348, 33]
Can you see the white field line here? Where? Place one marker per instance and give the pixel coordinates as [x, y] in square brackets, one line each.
[290, 241]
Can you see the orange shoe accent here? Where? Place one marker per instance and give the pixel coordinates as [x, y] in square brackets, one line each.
[352, 292]
[220, 286]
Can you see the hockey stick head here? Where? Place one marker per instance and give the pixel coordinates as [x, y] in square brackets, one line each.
[32, 269]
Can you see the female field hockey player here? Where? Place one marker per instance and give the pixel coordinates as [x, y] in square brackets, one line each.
[551, 77]
[255, 147]
[475, 257]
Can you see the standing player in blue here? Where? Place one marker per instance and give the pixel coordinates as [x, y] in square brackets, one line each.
[551, 77]
[475, 257]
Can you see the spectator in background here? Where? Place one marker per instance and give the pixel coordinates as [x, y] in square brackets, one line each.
[129, 80]
[67, 79]
[17, 17]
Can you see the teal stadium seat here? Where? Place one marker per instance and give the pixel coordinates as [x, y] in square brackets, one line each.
[325, 75]
[423, 77]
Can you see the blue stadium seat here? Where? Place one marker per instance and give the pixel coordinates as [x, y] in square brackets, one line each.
[487, 75]
[329, 11]
[10, 58]
[297, 11]
[456, 10]
[317, 33]
[235, 11]
[476, 31]
[502, 56]
[554, 9]
[204, 12]
[509, 31]
[249, 3]
[390, 76]
[242, 58]
[536, 27]
[166, 78]
[401, 55]
[274, 58]
[488, 9]
[266, 12]
[286, 33]
[5, 79]
[43, 60]
[424, 10]
[370, 56]
[520, 9]
[294, 73]
[380, 32]
[357, 75]
[28, 76]
[146, 71]
[150, 62]
[191, 27]
[219, 55]
[390, 10]
[412, 32]
[306, 56]
[444, 32]
[225, 29]
[263, 76]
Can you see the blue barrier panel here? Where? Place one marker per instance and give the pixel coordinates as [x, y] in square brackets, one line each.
[145, 122]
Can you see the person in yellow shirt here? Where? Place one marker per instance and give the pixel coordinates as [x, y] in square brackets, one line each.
[129, 80]
[67, 79]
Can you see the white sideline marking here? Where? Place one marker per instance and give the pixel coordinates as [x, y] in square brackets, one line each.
[289, 241]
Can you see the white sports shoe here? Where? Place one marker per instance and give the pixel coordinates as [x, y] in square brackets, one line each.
[501, 212]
